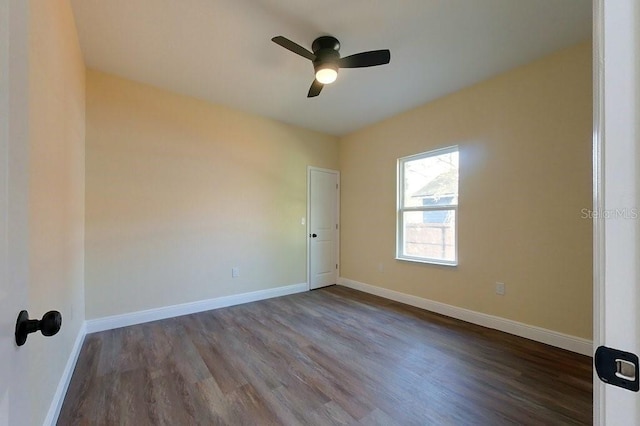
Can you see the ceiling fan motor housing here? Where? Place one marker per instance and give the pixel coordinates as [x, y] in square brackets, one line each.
[326, 49]
[325, 42]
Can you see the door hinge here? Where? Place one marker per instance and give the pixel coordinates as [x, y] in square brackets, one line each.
[336, 226]
[336, 186]
[336, 266]
[617, 368]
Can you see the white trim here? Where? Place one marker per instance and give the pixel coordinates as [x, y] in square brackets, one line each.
[426, 260]
[139, 317]
[430, 153]
[599, 408]
[63, 384]
[549, 337]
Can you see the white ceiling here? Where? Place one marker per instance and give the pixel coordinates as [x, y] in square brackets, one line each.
[221, 50]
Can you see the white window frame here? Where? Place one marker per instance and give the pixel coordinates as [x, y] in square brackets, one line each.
[400, 210]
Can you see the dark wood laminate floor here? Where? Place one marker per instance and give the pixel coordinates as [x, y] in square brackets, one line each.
[330, 356]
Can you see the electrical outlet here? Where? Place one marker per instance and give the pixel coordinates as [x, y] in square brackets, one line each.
[235, 272]
[500, 289]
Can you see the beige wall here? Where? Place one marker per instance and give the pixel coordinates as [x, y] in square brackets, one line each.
[525, 159]
[56, 193]
[179, 191]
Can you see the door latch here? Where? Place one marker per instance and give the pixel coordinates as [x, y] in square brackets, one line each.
[617, 368]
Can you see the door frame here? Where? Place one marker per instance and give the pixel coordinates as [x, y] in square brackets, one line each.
[308, 221]
[601, 289]
[598, 202]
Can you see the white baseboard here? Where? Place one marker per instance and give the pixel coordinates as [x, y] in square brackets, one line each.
[63, 384]
[553, 338]
[124, 320]
[117, 321]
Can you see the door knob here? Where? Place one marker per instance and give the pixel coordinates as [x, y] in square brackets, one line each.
[313, 235]
[49, 325]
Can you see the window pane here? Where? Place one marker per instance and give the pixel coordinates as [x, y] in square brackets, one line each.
[431, 181]
[430, 234]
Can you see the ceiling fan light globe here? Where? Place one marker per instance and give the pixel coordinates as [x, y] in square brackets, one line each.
[326, 75]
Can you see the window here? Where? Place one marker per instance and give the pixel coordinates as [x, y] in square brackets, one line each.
[428, 207]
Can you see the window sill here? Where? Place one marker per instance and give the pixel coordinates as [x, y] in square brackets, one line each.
[427, 261]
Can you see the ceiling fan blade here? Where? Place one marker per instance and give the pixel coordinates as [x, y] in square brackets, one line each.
[315, 89]
[294, 47]
[366, 59]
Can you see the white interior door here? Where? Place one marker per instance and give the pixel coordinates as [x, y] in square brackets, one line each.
[617, 200]
[323, 196]
[14, 396]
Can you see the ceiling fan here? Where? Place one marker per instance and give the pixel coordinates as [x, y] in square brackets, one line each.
[327, 61]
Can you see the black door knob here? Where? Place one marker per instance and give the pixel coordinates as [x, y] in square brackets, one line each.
[49, 325]
[313, 235]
